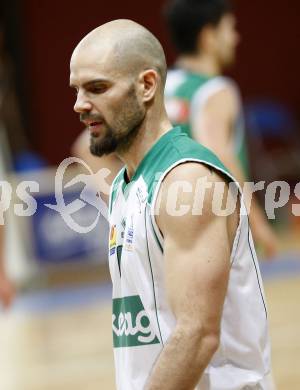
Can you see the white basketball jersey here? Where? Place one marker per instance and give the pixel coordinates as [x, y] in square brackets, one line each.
[142, 320]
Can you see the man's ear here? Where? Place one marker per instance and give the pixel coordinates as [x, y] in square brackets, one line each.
[148, 80]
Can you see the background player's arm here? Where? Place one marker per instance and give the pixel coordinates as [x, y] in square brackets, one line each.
[197, 261]
[6, 287]
[214, 129]
[81, 149]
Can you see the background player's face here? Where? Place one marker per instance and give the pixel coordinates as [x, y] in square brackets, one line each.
[107, 102]
[226, 40]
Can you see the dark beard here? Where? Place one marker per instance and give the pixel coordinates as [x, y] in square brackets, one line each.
[106, 145]
[120, 136]
[114, 142]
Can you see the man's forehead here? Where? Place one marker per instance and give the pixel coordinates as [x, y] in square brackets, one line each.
[86, 77]
[87, 55]
[85, 66]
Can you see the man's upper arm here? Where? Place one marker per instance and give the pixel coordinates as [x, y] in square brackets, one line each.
[196, 253]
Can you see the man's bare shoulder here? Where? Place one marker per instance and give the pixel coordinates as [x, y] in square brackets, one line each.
[192, 172]
[180, 190]
[190, 201]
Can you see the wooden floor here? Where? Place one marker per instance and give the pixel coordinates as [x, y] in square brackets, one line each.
[283, 297]
[71, 349]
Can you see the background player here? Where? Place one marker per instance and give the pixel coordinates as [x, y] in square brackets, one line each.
[199, 99]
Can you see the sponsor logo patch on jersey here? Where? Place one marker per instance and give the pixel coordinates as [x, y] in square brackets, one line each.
[131, 324]
[112, 240]
[128, 245]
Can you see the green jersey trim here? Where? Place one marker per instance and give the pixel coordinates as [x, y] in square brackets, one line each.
[177, 147]
[148, 159]
[171, 147]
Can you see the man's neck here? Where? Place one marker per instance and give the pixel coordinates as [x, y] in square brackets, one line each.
[203, 64]
[147, 136]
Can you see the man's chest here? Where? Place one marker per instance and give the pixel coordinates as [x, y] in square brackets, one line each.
[128, 234]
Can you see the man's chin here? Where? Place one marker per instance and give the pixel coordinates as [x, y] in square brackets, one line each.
[101, 150]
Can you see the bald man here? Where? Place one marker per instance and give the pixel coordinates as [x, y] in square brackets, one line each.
[188, 303]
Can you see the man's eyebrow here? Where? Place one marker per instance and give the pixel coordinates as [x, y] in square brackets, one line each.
[91, 82]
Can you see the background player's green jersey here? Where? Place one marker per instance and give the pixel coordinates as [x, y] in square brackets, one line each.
[186, 94]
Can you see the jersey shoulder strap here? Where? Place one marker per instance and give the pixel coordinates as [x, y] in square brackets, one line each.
[174, 148]
[117, 182]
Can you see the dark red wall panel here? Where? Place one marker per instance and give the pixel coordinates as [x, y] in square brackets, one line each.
[268, 58]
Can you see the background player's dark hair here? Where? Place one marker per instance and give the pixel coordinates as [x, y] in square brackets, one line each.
[186, 18]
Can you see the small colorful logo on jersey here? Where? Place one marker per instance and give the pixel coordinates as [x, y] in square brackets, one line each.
[131, 324]
[129, 238]
[178, 110]
[112, 240]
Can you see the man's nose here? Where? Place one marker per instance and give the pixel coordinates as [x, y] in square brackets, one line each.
[82, 104]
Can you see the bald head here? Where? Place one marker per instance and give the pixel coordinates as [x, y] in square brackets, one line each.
[119, 72]
[127, 46]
